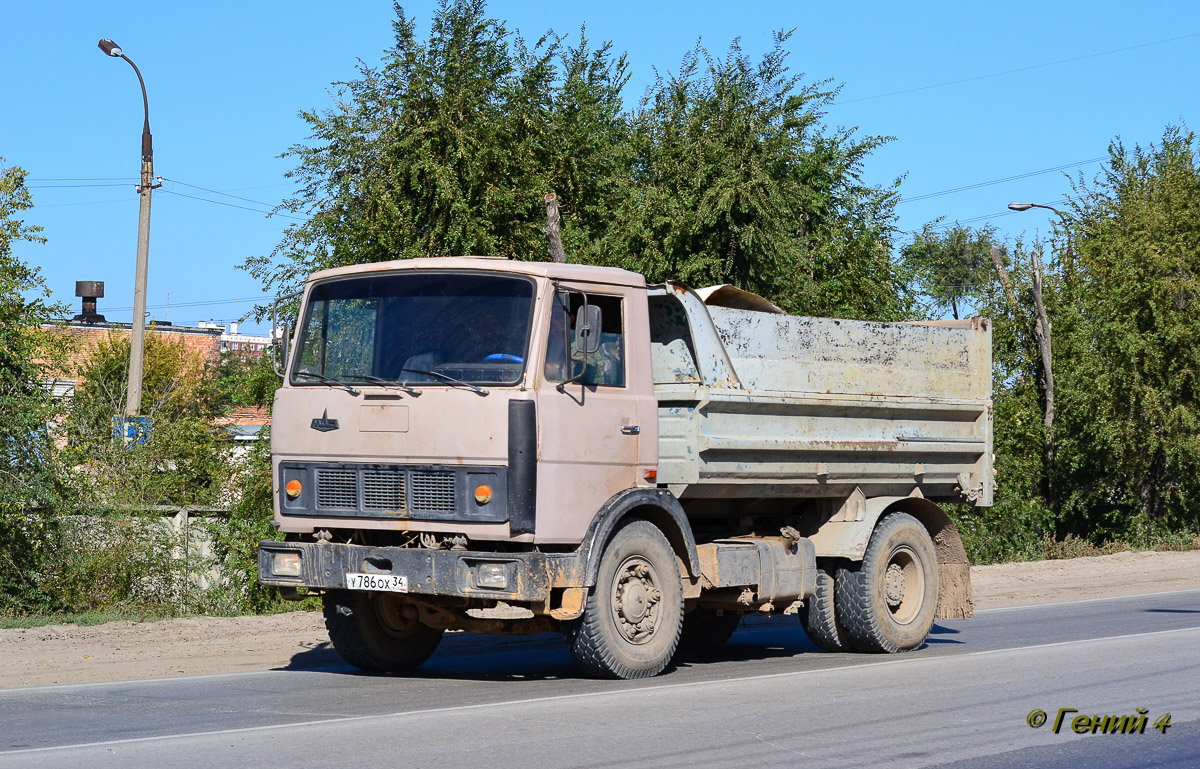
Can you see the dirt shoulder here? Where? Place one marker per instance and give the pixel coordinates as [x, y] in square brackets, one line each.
[117, 651]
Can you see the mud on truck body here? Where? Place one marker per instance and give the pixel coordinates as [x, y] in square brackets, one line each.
[635, 466]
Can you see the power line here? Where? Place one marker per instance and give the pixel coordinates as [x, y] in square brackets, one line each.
[953, 190]
[232, 205]
[1021, 69]
[195, 304]
[218, 192]
[83, 179]
[86, 202]
[73, 186]
[985, 217]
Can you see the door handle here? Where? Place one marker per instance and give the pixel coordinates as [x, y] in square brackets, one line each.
[630, 429]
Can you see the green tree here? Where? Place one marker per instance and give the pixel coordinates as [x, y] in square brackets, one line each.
[176, 383]
[186, 459]
[447, 147]
[951, 267]
[1130, 405]
[724, 173]
[733, 179]
[1119, 291]
[31, 477]
[246, 380]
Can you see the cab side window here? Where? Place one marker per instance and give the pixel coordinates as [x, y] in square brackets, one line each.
[564, 362]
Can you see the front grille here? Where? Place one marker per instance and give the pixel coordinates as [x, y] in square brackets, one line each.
[390, 491]
[433, 492]
[336, 489]
[383, 490]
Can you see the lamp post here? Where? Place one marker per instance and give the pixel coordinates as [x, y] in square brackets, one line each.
[1041, 332]
[133, 402]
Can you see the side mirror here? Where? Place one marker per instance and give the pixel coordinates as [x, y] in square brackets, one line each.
[587, 330]
[285, 335]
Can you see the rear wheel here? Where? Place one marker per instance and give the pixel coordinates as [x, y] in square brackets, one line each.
[887, 603]
[820, 621]
[632, 619]
[707, 629]
[378, 632]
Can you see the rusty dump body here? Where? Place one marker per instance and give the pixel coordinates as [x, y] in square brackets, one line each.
[445, 428]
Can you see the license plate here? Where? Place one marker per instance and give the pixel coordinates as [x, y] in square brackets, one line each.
[390, 583]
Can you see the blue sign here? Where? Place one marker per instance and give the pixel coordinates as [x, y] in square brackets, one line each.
[132, 431]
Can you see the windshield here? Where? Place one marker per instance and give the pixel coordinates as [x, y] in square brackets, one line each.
[416, 327]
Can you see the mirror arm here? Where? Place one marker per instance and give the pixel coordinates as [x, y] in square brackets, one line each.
[583, 310]
[282, 342]
[562, 386]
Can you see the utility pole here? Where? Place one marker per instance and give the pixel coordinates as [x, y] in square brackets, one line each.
[133, 402]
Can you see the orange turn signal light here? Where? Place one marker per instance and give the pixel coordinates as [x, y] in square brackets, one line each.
[293, 488]
[650, 475]
[483, 494]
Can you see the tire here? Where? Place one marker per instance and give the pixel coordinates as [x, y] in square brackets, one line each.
[705, 629]
[887, 603]
[633, 615]
[821, 622]
[377, 632]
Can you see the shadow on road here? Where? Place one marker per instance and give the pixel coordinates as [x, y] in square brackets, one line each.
[319, 657]
[940, 630]
[543, 657]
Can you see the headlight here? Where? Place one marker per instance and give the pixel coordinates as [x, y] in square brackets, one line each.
[285, 564]
[493, 575]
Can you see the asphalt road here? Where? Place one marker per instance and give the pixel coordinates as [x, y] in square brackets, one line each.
[767, 699]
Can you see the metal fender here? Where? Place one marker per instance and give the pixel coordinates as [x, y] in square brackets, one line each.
[846, 534]
[658, 506]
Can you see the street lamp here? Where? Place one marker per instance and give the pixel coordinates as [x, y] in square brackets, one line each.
[1026, 206]
[137, 348]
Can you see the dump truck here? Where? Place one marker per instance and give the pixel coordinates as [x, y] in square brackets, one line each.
[501, 446]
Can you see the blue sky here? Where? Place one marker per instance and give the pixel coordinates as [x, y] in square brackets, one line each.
[226, 80]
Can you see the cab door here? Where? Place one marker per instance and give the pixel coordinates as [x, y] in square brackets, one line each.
[589, 425]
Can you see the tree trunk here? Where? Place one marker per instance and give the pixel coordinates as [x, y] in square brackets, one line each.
[1005, 283]
[1041, 331]
[553, 222]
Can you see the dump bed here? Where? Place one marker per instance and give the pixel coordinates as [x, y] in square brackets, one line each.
[756, 403]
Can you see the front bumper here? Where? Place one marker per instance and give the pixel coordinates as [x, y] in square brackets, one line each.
[324, 565]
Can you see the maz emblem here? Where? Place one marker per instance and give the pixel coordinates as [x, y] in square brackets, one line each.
[324, 423]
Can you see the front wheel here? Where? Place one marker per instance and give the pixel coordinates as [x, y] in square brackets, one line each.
[634, 613]
[378, 632]
[887, 603]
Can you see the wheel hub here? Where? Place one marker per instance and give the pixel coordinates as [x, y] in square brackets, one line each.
[904, 585]
[894, 585]
[635, 600]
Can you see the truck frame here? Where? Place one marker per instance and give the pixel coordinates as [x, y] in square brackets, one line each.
[499, 446]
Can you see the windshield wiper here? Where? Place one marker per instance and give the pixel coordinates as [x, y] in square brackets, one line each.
[446, 378]
[330, 380]
[414, 392]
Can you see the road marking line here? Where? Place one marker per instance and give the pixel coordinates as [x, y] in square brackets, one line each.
[903, 660]
[1085, 600]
